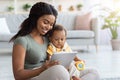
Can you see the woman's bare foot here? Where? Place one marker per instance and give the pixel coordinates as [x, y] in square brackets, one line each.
[75, 78]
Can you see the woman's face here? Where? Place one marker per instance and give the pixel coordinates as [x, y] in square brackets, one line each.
[45, 23]
[58, 39]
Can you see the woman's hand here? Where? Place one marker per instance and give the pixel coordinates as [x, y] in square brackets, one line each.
[49, 63]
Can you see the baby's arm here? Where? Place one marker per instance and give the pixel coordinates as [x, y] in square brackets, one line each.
[48, 57]
[49, 52]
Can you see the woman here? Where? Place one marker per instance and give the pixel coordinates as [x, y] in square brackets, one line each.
[30, 46]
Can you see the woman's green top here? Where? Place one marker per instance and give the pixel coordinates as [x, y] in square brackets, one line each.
[35, 53]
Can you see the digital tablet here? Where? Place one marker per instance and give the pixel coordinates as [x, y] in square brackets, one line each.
[64, 58]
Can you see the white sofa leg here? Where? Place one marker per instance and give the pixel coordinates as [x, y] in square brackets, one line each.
[96, 46]
[87, 47]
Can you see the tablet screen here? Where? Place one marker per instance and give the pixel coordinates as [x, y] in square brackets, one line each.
[64, 59]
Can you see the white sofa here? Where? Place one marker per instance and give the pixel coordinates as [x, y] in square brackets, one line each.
[74, 37]
[13, 22]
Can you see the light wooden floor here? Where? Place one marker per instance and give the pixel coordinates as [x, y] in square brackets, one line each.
[105, 61]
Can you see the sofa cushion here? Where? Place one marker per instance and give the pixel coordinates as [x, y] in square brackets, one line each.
[14, 21]
[66, 19]
[83, 34]
[83, 22]
[3, 26]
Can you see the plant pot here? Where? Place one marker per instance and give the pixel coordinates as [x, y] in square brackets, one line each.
[115, 44]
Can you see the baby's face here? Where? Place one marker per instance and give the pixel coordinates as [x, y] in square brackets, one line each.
[58, 39]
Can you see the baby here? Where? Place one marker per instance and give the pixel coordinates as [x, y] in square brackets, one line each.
[58, 44]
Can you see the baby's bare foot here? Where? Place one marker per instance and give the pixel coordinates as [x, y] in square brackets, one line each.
[75, 78]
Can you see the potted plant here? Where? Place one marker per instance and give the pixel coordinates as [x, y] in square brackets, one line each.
[10, 8]
[26, 6]
[79, 6]
[112, 22]
[71, 8]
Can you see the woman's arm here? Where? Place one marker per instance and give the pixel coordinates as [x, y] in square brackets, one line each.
[18, 58]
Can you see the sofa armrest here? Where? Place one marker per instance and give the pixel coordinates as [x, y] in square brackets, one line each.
[96, 28]
[6, 37]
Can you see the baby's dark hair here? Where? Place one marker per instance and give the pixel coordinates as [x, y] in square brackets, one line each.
[57, 27]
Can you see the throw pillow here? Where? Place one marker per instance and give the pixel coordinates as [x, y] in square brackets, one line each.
[3, 26]
[83, 22]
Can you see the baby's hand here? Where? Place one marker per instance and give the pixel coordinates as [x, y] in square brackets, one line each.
[48, 57]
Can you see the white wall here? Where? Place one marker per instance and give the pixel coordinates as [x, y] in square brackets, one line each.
[65, 3]
[19, 3]
[4, 4]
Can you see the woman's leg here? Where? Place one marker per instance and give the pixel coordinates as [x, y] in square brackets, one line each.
[89, 74]
[56, 72]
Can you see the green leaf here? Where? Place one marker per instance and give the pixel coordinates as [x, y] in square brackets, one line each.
[112, 22]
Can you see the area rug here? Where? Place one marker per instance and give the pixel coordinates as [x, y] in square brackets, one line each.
[111, 78]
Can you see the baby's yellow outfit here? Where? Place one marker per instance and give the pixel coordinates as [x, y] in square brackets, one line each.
[52, 49]
[72, 69]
